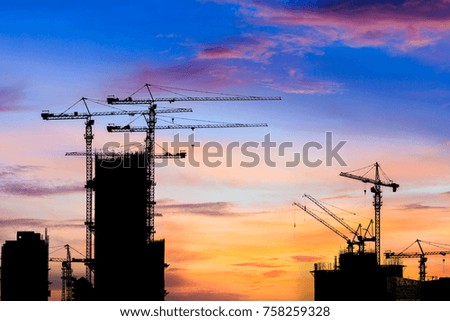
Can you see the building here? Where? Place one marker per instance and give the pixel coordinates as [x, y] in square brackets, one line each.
[126, 267]
[24, 273]
[357, 277]
[436, 290]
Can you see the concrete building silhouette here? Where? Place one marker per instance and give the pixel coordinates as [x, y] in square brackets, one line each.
[24, 273]
[358, 277]
[126, 267]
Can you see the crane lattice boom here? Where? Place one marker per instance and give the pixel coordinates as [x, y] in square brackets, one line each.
[337, 218]
[143, 129]
[46, 115]
[131, 101]
[350, 243]
[181, 154]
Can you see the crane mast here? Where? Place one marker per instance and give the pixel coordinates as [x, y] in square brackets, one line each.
[66, 273]
[89, 136]
[150, 172]
[150, 138]
[377, 203]
[67, 278]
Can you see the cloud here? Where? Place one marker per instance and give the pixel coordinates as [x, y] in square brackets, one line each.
[207, 208]
[419, 206]
[213, 209]
[14, 181]
[37, 188]
[339, 197]
[251, 47]
[195, 73]
[257, 265]
[8, 171]
[404, 25]
[39, 223]
[306, 258]
[230, 66]
[306, 87]
[274, 273]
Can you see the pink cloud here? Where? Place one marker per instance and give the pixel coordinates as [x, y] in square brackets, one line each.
[260, 48]
[250, 47]
[195, 73]
[404, 25]
[214, 73]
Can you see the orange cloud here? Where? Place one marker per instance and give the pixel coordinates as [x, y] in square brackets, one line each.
[306, 258]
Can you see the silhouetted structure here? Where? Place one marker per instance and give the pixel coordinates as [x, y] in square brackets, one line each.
[436, 290]
[126, 267]
[83, 290]
[24, 273]
[358, 277]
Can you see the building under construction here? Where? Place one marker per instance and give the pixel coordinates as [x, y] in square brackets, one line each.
[355, 276]
[360, 275]
[24, 273]
[127, 267]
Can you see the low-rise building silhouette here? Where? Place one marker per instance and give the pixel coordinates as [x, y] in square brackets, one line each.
[24, 273]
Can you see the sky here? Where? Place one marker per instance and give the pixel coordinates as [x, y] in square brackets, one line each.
[375, 75]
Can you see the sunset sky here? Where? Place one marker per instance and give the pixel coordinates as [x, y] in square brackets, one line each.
[375, 74]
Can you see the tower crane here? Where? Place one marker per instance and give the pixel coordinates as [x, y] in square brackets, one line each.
[422, 256]
[350, 243]
[66, 273]
[376, 190]
[89, 136]
[358, 233]
[150, 136]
